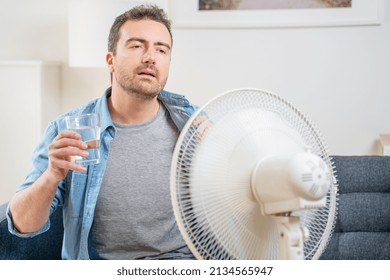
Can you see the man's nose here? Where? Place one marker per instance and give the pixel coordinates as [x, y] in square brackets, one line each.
[149, 56]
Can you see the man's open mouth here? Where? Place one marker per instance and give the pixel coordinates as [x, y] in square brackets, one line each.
[148, 73]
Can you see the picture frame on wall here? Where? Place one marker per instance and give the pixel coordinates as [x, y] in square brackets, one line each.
[189, 14]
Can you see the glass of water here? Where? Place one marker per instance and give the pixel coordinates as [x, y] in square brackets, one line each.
[88, 126]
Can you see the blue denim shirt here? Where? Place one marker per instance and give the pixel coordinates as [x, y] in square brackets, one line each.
[78, 191]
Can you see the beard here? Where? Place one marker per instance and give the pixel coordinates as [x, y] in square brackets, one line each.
[143, 87]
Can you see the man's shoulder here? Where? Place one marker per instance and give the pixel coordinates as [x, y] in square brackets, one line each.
[86, 108]
[179, 107]
[173, 98]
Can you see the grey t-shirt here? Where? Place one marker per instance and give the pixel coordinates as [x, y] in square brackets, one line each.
[133, 216]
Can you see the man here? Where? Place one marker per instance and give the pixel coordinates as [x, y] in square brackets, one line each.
[119, 208]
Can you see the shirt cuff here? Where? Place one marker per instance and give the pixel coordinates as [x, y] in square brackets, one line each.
[14, 231]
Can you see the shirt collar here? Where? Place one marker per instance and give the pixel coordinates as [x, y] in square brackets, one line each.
[102, 108]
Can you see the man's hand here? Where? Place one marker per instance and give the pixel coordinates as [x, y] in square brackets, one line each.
[201, 127]
[62, 151]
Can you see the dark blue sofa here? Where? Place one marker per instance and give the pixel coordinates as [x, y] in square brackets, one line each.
[362, 230]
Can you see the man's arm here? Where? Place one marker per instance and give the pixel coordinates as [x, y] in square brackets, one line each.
[30, 208]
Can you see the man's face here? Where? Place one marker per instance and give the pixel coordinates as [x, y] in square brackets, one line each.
[142, 59]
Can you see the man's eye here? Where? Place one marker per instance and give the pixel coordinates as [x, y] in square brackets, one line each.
[162, 51]
[135, 46]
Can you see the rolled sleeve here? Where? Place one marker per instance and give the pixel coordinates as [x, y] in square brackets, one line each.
[14, 231]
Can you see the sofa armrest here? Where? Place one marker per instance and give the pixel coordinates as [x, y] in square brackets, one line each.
[46, 246]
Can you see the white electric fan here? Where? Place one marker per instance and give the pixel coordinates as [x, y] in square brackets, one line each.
[251, 179]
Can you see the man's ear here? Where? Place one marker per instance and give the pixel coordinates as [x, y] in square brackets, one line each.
[109, 61]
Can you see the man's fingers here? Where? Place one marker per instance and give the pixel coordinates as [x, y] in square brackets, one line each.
[68, 142]
[202, 124]
[67, 152]
[198, 120]
[68, 134]
[67, 165]
[62, 151]
[68, 138]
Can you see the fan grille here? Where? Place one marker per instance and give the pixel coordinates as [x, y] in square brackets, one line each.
[212, 201]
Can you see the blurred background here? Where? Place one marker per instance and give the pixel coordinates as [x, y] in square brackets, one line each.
[338, 75]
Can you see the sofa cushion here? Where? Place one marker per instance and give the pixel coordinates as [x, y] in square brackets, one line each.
[363, 221]
[358, 246]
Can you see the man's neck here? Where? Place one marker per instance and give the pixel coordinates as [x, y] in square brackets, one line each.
[129, 108]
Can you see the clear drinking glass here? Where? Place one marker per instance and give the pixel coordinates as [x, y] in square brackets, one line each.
[88, 126]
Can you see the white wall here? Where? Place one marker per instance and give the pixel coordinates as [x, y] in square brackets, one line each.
[37, 95]
[339, 76]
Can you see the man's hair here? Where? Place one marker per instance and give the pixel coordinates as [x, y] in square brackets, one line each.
[148, 12]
